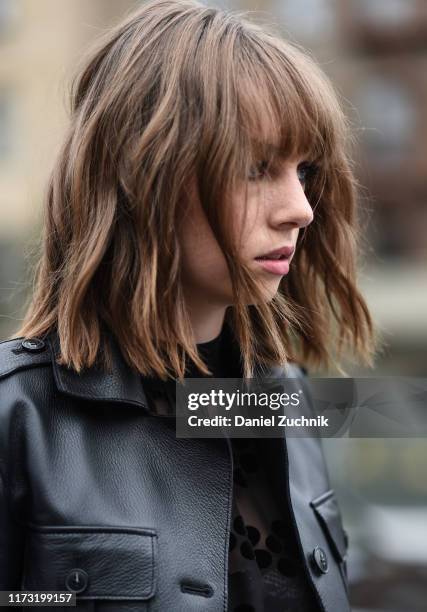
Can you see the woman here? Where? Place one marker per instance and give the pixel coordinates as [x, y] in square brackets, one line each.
[199, 142]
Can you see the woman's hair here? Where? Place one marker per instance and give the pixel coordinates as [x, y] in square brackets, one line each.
[180, 91]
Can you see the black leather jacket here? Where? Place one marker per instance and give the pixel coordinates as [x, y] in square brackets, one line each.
[100, 499]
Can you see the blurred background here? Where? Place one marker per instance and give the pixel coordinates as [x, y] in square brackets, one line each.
[375, 51]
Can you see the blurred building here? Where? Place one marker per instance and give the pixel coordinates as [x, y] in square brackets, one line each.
[40, 43]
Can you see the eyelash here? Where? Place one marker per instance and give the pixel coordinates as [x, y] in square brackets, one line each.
[310, 168]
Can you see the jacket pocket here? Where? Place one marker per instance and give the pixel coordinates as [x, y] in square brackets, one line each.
[96, 563]
[328, 513]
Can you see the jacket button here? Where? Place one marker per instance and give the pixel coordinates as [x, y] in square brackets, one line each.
[320, 559]
[76, 580]
[33, 345]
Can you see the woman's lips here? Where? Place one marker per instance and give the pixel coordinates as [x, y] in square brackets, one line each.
[275, 266]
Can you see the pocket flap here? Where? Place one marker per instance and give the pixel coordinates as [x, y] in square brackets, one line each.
[327, 510]
[94, 562]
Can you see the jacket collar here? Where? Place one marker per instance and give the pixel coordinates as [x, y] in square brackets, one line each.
[123, 383]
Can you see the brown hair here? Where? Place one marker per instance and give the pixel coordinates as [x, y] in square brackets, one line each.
[177, 90]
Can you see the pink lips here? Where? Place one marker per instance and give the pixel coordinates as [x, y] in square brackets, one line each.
[286, 251]
[277, 266]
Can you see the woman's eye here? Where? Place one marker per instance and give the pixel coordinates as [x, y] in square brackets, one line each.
[305, 171]
[258, 171]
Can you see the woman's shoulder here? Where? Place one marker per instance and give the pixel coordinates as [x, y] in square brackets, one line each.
[19, 354]
[24, 364]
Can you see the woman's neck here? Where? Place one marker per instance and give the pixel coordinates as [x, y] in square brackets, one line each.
[206, 322]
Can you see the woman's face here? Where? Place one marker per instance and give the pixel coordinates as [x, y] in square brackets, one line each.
[277, 209]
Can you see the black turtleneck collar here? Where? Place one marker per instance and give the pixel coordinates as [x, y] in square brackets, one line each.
[212, 353]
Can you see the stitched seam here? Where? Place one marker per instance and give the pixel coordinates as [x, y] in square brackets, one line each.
[230, 497]
[24, 366]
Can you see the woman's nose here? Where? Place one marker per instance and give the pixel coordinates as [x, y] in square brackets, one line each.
[292, 205]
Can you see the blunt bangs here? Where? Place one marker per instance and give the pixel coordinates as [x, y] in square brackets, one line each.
[285, 105]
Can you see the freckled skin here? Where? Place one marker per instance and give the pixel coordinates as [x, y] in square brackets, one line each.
[276, 211]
